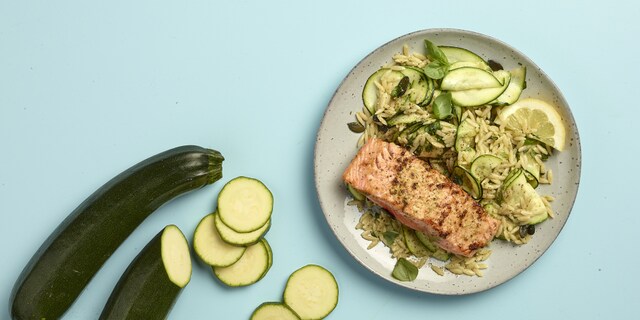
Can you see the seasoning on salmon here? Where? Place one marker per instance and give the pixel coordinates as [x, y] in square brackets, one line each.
[420, 197]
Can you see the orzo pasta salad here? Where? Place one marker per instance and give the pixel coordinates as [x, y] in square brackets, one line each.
[467, 118]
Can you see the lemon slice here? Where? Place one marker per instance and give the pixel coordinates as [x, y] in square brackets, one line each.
[535, 117]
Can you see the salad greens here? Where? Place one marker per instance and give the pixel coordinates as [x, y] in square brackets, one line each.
[405, 270]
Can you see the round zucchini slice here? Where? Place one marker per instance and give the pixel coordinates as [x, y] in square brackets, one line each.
[211, 248]
[245, 204]
[311, 292]
[240, 238]
[274, 311]
[252, 266]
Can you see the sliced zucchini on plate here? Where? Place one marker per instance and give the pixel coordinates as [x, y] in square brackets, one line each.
[478, 97]
[370, 90]
[516, 192]
[429, 243]
[414, 245]
[420, 87]
[461, 64]
[456, 54]
[355, 193]
[467, 78]
[483, 165]
[511, 177]
[408, 82]
[402, 118]
[531, 169]
[465, 136]
[515, 87]
[468, 182]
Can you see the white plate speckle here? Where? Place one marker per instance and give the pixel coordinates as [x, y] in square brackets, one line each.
[336, 146]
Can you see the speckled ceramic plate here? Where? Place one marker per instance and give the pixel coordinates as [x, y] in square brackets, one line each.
[336, 146]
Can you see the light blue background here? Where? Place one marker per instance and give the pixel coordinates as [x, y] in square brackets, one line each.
[87, 88]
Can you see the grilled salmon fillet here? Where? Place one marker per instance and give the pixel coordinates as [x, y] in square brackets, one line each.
[420, 197]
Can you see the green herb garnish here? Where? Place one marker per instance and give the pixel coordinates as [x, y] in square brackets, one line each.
[442, 106]
[404, 270]
[439, 64]
[433, 127]
[388, 237]
[436, 70]
[435, 53]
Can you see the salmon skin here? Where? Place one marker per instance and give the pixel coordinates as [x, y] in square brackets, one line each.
[420, 197]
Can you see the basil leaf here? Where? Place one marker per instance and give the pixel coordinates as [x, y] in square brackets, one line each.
[435, 53]
[442, 106]
[388, 237]
[404, 270]
[436, 70]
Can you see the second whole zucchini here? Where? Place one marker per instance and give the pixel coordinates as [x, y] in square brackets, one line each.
[151, 284]
[70, 257]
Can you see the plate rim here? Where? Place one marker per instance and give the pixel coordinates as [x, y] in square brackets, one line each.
[567, 113]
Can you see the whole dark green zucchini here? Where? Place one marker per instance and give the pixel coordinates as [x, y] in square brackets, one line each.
[79, 246]
[152, 282]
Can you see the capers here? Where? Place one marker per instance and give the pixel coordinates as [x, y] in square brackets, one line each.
[355, 127]
[527, 229]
